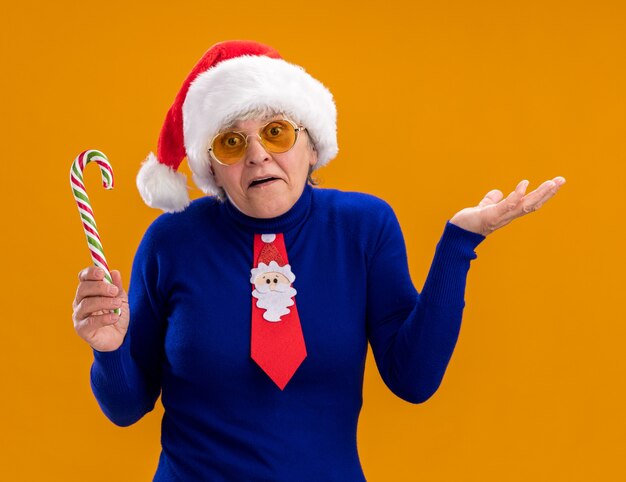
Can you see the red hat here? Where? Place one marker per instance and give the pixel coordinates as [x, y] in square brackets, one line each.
[231, 79]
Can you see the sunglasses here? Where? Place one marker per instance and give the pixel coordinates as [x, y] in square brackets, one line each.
[276, 136]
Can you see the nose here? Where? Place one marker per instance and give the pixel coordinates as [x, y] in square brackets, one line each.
[255, 152]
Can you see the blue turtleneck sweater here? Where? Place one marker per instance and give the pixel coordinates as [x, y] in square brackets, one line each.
[189, 336]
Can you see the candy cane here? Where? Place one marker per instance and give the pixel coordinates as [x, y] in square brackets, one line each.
[84, 207]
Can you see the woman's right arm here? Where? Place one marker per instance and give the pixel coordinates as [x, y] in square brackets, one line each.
[126, 372]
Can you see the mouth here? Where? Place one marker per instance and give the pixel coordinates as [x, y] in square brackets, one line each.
[262, 181]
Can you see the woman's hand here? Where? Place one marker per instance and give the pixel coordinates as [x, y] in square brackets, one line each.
[95, 298]
[493, 212]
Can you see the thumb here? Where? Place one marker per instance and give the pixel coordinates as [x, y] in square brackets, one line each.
[117, 281]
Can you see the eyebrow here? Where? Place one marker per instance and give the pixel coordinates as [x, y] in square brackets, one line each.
[267, 118]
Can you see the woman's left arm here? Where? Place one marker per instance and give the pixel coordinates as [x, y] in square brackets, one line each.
[413, 334]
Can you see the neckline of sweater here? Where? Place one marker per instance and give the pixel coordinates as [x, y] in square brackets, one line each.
[280, 224]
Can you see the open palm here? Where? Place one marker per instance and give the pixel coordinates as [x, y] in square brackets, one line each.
[495, 211]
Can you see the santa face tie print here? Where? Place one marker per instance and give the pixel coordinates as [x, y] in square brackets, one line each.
[272, 289]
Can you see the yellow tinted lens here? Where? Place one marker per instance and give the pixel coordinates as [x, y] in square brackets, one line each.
[278, 136]
[229, 147]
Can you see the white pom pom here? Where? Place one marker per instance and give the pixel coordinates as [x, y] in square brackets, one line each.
[161, 187]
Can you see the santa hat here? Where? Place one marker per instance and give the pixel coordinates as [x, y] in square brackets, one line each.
[231, 79]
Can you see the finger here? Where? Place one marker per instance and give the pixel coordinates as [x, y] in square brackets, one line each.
[95, 322]
[92, 273]
[518, 193]
[87, 289]
[507, 207]
[534, 200]
[542, 194]
[116, 276]
[95, 305]
[521, 187]
[492, 197]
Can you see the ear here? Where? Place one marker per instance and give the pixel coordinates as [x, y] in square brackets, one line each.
[216, 178]
[313, 159]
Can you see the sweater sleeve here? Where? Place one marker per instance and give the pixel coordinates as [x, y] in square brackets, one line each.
[127, 382]
[413, 335]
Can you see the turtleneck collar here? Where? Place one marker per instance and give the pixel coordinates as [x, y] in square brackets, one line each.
[280, 224]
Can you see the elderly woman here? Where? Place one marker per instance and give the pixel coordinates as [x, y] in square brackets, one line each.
[250, 310]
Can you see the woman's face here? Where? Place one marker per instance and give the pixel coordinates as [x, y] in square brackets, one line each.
[265, 184]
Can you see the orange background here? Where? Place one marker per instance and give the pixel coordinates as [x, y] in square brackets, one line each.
[438, 103]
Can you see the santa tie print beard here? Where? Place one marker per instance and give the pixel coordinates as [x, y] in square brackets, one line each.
[272, 289]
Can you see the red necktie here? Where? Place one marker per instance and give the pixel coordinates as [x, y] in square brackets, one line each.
[277, 343]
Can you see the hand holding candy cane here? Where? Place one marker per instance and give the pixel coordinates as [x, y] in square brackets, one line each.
[101, 314]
